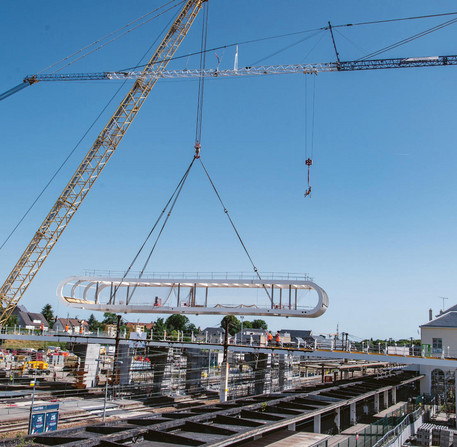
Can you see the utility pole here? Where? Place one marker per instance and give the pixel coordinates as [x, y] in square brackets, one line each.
[225, 366]
[115, 372]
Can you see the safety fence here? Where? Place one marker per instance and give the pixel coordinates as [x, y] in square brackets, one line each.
[382, 431]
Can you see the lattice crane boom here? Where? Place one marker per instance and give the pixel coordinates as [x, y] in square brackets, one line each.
[359, 65]
[93, 163]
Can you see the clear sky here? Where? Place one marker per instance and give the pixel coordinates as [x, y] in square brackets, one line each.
[378, 232]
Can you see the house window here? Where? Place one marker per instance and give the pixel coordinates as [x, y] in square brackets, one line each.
[437, 347]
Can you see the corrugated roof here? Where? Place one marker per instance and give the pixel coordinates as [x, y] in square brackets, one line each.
[448, 319]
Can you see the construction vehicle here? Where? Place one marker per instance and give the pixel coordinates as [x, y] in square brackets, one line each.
[92, 165]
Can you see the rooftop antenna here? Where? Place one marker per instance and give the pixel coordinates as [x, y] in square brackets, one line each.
[443, 298]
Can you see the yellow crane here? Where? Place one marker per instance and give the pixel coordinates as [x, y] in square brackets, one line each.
[92, 165]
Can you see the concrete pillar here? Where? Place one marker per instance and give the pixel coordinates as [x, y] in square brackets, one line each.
[195, 364]
[345, 374]
[377, 408]
[386, 399]
[338, 419]
[353, 414]
[394, 395]
[223, 390]
[284, 372]
[159, 363]
[317, 423]
[124, 368]
[291, 427]
[88, 366]
[261, 364]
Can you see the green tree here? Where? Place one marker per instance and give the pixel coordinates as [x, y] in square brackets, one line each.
[12, 320]
[48, 314]
[259, 324]
[109, 318]
[192, 328]
[233, 322]
[177, 322]
[159, 328]
[93, 323]
[247, 325]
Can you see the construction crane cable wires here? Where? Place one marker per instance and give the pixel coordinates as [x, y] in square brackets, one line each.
[409, 39]
[168, 207]
[72, 151]
[88, 49]
[235, 229]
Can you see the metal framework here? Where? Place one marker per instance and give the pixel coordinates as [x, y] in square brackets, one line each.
[241, 420]
[88, 171]
[372, 64]
[190, 296]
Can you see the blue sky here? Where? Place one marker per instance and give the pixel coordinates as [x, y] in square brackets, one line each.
[378, 232]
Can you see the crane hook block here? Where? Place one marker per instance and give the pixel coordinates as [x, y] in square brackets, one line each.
[197, 148]
[309, 162]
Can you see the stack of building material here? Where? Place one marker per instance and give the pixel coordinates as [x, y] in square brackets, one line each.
[424, 435]
[436, 435]
[447, 438]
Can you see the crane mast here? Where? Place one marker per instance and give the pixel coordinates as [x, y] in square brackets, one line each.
[92, 165]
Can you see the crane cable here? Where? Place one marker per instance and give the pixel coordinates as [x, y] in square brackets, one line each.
[87, 47]
[172, 200]
[201, 81]
[234, 228]
[309, 139]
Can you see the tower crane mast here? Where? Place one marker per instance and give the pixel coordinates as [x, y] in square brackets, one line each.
[93, 163]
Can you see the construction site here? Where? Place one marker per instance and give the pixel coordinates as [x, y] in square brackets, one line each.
[232, 166]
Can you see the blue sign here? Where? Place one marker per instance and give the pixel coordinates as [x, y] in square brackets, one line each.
[37, 423]
[52, 419]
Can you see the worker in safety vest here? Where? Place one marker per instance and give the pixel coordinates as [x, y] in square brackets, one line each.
[278, 339]
[42, 328]
[269, 337]
[66, 328]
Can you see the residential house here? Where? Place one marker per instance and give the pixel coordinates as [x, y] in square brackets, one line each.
[140, 327]
[71, 325]
[30, 320]
[439, 338]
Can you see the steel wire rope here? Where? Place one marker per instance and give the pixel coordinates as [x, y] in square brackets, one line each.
[176, 193]
[235, 229]
[77, 144]
[409, 39]
[111, 34]
[201, 79]
[295, 33]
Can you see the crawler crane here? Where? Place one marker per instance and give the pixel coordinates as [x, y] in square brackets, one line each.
[92, 165]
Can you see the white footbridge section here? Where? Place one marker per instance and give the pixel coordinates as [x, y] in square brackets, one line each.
[195, 296]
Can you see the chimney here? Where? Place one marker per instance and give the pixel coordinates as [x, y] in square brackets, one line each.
[430, 315]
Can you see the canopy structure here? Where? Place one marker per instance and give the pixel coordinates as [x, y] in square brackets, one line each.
[193, 296]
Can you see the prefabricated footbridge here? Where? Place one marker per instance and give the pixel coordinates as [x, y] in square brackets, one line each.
[195, 295]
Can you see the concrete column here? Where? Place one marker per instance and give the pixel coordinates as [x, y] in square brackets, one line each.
[291, 427]
[353, 414]
[317, 423]
[394, 395]
[124, 368]
[338, 419]
[261, 363]
[160, 361]
[195, 364]
[223, 391]
[386, 399]
[88, 366]
[377, 408]
[345, 374]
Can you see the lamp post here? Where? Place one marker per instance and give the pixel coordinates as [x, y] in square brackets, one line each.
[33, 401]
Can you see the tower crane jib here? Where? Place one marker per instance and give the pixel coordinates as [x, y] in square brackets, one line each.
[93, 163]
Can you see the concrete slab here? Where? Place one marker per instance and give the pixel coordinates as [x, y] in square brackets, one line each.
[389, 410]
[289, 439]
